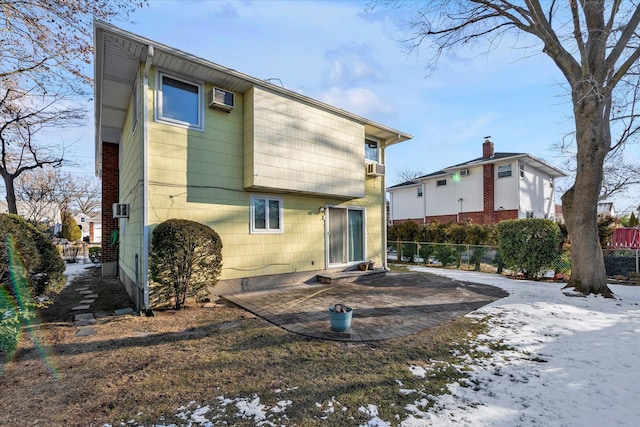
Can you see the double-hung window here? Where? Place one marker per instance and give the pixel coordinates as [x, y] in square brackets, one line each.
[179, 102]
[266, 214]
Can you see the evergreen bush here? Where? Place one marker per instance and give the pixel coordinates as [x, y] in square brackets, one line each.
[70, 229]
[185, 260]
[30, 266]
[529, 245]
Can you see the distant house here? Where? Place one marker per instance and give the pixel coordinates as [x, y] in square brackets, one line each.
[485, 190]
[606, 210]
[291, 185]
[91, 226]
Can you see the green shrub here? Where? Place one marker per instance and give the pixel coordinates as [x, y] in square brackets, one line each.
[445, 254]
[476, 256]
[16, 302]
[186, 259]
[45, 266]
[529, 245]
[70, 229]
[95, 254]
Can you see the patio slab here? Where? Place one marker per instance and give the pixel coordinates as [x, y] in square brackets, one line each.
[384, 307]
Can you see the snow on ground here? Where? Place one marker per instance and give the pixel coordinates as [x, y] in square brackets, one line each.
[75, 269]
[574, 361]
[567, 361]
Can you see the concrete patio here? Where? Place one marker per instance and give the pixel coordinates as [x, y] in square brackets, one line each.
[384, 306]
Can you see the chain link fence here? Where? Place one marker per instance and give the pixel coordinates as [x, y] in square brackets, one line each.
[621, 262]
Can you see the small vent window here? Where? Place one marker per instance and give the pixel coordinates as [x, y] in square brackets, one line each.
[441, 183]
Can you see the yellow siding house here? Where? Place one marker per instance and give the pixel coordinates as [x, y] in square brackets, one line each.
[291, 185]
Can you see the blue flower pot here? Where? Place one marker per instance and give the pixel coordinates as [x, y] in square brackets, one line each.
[340, 321]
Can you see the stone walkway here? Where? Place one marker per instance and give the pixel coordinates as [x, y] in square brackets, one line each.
[83, 314]
[384, 307]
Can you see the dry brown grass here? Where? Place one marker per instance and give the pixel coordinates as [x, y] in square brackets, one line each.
[144, 368]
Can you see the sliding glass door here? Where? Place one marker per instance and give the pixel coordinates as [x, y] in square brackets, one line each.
[346, 235]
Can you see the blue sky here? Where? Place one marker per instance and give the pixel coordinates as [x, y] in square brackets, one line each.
[336, 52]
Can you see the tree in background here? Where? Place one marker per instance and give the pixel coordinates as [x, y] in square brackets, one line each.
[41, 191]
[406, 175]
[633, 220]
[46, 46]
[596, 46]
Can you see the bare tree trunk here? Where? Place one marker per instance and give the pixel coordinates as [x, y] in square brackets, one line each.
[11, 193]
[580, 202]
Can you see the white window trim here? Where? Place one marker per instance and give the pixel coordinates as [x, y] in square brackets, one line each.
[158, 110]
[252, 214]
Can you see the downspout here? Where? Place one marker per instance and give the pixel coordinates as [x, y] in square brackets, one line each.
[145, 178]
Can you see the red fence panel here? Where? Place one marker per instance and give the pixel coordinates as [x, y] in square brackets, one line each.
[626, 238]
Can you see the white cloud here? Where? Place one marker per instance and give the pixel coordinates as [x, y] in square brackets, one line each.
[361, 101]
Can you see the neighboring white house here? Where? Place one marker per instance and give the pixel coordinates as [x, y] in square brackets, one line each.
[606, 210]
[485, 190]
[91, 226]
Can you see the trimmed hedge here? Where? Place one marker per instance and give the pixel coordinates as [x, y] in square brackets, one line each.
[459, 233]
[185, 260]
[529, 245]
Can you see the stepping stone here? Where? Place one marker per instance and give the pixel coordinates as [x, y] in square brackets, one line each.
[91, 295]
[122, 311]
[88, 301]
[81, 307]
[86, 292]
[84, 288]
[85, 331]
[85, 322]
[84, 316]
[143, 334]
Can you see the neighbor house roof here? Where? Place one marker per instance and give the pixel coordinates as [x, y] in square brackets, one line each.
[117, 58]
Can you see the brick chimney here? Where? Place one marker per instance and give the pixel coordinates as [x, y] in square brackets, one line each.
[487, 148]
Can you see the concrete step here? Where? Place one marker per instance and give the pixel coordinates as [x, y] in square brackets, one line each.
[334, 278]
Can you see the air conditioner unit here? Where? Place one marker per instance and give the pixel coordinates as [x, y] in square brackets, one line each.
[375, 169]
[464, 172]
[121, 210]
[222, 99]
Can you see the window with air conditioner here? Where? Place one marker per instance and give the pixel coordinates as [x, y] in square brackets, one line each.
[179, 102]
[371, 150]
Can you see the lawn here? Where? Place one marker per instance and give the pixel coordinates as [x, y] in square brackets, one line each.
[218, 365]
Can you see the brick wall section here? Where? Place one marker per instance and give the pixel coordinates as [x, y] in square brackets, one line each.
[110, 195]
[488, 190]
[505, 215]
